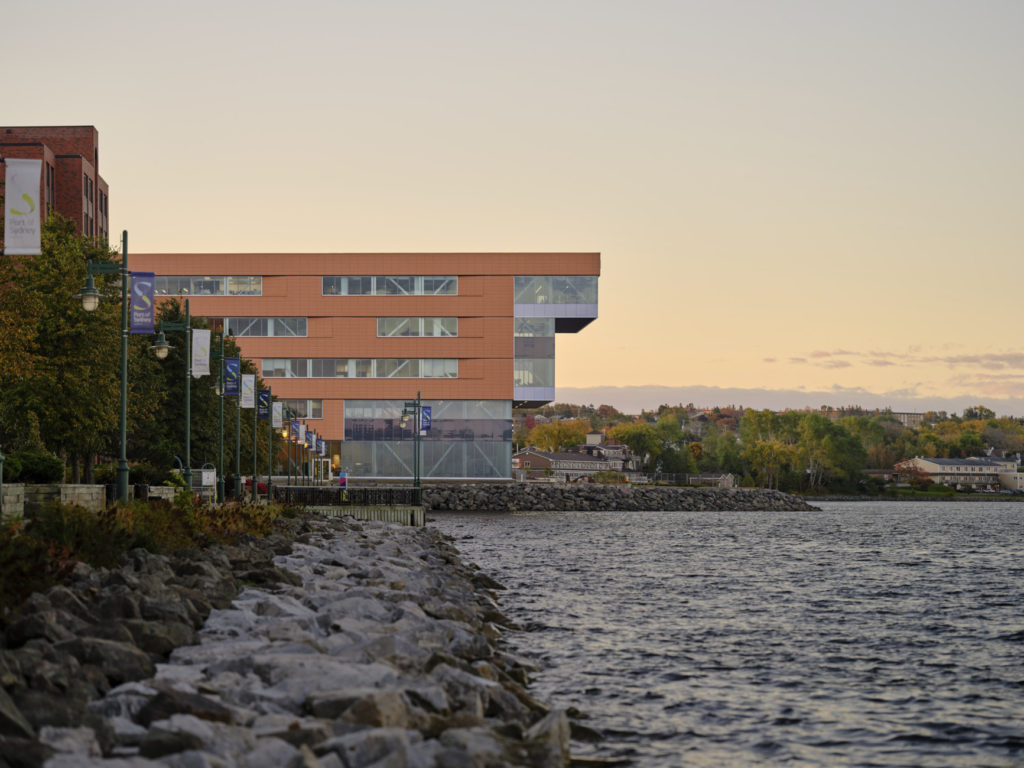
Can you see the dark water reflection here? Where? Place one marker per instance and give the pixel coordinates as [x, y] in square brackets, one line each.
[863, 635]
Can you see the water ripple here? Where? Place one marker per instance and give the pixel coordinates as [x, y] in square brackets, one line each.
[861, 635]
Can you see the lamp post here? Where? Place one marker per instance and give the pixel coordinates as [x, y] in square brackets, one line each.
[238, 444]
[90, 300]
[220, 394]
[160, 349]
[286, 433]
[414, 408]
[255, 435]
[270, 446]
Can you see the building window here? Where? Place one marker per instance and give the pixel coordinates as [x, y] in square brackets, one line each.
[390, 285]
[417, 326]
[556, 289]
[534, 372]
[360, 368]
[539, 327]
[304, 409]
[261, 326]
[194, 285]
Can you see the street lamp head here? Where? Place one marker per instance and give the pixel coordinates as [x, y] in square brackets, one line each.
[90, 296]
[161, 348]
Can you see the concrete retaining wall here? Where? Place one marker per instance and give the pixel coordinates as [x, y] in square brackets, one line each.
[91, 497]
[13, 502]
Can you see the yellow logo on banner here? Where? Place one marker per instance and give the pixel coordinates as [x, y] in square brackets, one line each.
[31, 205]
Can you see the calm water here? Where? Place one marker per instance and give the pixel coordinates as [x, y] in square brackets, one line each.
[862, 635]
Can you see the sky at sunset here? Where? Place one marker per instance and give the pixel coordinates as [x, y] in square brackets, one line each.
[796, 203]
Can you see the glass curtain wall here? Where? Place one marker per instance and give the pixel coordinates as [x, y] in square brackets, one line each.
[469, 439]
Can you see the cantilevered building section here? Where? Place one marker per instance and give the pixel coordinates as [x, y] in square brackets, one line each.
[347, 339]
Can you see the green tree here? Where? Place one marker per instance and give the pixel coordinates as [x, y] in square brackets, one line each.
[769, 460]
[64, 363]
[829, 454]
[978, 413]
[641, 438]
[558, 435]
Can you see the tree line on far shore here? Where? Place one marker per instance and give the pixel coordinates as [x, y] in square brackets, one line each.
[796, 451]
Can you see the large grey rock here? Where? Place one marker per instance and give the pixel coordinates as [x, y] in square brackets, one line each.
[553, 729]
[54, 626]
[119, 662]
[12, 721]
[172, 702]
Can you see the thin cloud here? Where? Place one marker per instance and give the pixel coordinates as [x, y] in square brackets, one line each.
[842, 358]
[819, 353]
[991, 360]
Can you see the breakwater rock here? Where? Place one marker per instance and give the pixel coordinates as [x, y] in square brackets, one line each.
[348, 645]
[547, 497]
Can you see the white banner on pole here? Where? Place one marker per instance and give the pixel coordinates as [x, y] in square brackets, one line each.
[21, 207]
[302, 433]
[200, 352]
[248, 390]
[277, 415]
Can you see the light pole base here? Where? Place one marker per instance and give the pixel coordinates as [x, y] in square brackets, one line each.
[122, 482]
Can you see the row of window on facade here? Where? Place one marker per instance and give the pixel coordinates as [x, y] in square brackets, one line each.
[543, 289]
[431, 327]
[298, 326]
[359, 368]
[344, 285]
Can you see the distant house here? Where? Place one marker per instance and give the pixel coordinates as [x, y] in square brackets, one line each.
[584, 461]
[979, 473]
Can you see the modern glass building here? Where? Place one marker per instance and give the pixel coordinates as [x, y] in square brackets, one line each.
[346, 340]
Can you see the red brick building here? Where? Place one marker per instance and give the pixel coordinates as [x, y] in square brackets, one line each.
[70, 182]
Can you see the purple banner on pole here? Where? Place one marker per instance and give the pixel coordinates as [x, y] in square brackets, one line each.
[231, 376]
[142, 302]
[263, 404]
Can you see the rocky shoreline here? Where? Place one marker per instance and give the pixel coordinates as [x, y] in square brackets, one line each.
[329, 643]
[558, 497]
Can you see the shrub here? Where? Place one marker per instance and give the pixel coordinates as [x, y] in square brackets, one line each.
[44, 551]
[143, 472]
[97, 539]
[25, 566]
[38, 466]
[12, 468]
[147, 473]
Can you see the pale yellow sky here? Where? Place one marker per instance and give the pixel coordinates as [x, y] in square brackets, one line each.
[808, 196]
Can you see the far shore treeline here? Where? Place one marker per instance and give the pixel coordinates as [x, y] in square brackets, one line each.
[823, 451]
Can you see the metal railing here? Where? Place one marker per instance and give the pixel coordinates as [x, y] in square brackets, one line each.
[333, 496]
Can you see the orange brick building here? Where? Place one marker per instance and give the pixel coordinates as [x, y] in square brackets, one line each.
[70, 182]
[345, 340]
